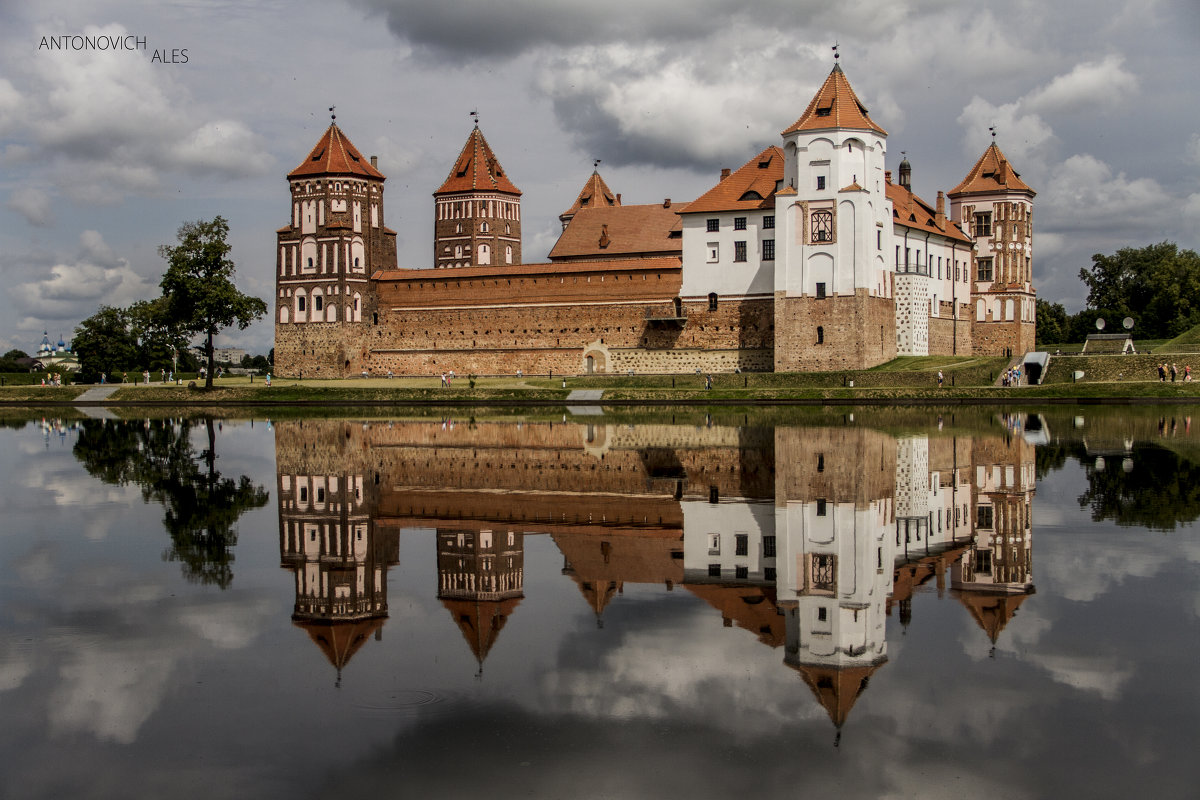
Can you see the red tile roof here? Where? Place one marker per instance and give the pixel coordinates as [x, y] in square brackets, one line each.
[335, 155]
[992, 173]
[624, 231]
[751, 187]
[835, 106]
[911, 211]
[477, 170]
[595, 194]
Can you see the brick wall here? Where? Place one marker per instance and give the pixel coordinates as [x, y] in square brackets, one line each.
[944, 339]
[859, 331]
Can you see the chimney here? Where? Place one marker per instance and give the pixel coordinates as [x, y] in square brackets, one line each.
[940, 219]
[887, 176]
[724, 173]
[1001, 177]
[375, 162]
[618, 198]
[667, 203]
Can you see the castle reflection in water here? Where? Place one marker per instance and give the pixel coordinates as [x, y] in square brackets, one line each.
[809, 537]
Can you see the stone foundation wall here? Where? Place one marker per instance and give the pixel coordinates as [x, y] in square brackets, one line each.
[857, 332]
[999, 338]
[944, 339]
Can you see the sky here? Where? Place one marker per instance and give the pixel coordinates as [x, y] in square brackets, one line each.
[104, 154]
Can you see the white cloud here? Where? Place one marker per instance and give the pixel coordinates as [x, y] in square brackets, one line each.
[109, 693]
[113, 123]
[1025, 138]
[1104, 84]
[1083, 194]
[33, 204]
[1192, 150]
[72, 291]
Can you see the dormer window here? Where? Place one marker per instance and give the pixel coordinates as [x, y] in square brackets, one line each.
[825, 112]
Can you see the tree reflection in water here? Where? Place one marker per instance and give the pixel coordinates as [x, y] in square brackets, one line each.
[202, 506]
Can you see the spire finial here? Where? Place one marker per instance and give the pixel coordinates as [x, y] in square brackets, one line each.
[836, 54]
[475, 116]
[332, 116]
[993, 130]
[595, 165]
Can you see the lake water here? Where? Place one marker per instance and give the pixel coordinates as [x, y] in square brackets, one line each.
[812, 603]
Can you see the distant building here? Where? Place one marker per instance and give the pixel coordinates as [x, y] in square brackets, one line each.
[55, 357]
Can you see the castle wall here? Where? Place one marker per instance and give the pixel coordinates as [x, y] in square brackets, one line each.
[949, 336]
[857, 332]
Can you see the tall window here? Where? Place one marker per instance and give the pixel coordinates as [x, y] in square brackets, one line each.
[983, 270]
[714, 225]
[768, 247]
[739, 251]
[820, 335]
[822, 226]
[820, 182]
[983, 224]
[820, 291]
[712, 301]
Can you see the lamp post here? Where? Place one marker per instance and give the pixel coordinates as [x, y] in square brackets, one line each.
[174, 359]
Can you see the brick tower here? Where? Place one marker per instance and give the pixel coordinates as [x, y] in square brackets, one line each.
[477, 211]
[995, 206]
[335, 240]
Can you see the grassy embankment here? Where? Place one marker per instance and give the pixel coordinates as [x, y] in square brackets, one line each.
[907, 379]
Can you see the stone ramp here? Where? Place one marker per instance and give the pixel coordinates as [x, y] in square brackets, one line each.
[589, 398]
[98, 394]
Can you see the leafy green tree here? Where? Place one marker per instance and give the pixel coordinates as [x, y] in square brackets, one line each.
[1053, 323]
[157, 337]
[1157, 285]
[198, 288]
[8, 361]
[105, 342]
[202, 506]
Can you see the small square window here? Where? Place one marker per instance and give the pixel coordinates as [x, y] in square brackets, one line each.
[714, 225]
[714, 252]
[741, 573]
[739, 223]
[769, 222]
[714, 570]
[821, 291]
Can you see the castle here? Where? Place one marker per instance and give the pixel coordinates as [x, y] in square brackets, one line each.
[808, 257]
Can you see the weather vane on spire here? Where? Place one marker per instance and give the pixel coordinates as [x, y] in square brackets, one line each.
[332, 115]
[836, 54]
[993, 130]
[595, 164]
[475, 116]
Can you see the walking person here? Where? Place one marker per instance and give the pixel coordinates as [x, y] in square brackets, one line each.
[941, 379]
[1174, 372]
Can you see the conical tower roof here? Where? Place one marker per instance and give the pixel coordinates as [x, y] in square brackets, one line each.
[339, 640]
[480, 621]
[835, 106]
[477, 170]
[992, 611]
[334, 154]
[837, 688]
[992, 173]
[595, 194]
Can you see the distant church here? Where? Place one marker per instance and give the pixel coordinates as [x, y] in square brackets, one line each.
[808, 257]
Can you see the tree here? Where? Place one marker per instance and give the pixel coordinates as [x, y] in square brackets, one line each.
[201, 505]
[8, 361]
[1053, 324]
[198, 286]
[1157, 285]
[105, 342]
[157, 337]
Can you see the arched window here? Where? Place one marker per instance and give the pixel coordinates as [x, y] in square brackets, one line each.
[300, 303]
[508, 254]
[318, 302]
[822, 226]
[485, 254]
[483, 227]
[458, 251]
[820, 335]
[712, 301]
[507, 228]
